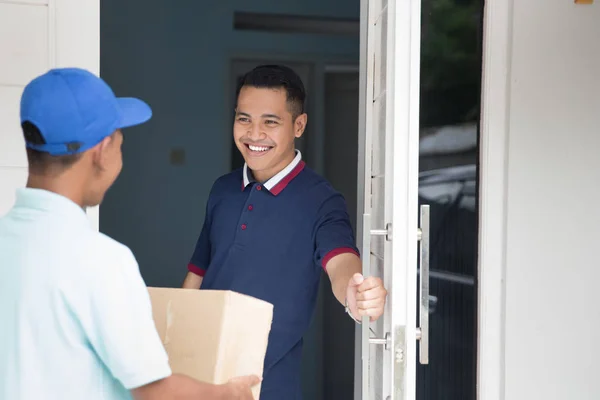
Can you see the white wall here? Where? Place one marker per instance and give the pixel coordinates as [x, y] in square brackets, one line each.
[24, 51]
[36, 35]
[540, 226]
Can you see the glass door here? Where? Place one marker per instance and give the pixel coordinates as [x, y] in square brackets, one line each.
[450, 86]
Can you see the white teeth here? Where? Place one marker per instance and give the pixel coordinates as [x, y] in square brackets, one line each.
[258, 148]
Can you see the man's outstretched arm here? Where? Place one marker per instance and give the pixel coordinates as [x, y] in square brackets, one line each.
[338, 255]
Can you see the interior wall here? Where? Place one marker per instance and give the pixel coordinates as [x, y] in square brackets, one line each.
[177, 58]
[546, 186]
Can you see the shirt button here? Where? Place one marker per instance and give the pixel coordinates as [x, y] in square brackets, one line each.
[259, 187]
[250, 207]
[244, 226]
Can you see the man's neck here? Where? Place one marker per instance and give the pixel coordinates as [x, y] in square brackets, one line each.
[62, 186]
[263, 176]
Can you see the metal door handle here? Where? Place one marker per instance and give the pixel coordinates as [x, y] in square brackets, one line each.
[423, 330]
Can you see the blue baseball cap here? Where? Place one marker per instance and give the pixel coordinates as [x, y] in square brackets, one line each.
[74, 110]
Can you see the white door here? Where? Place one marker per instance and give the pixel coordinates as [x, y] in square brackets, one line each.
[36, 35]
[388, 196]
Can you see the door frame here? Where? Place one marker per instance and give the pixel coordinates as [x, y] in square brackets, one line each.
[494, 126]
[360, 183]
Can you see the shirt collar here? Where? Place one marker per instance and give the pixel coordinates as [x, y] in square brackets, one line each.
[276, 184]
[44, 200]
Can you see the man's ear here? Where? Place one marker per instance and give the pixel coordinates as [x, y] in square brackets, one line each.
[101, 152]
[300, 125]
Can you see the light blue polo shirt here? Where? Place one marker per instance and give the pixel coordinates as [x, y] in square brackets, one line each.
[75, 315]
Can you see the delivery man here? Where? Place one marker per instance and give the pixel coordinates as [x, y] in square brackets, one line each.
[271, 227]
[75, 315]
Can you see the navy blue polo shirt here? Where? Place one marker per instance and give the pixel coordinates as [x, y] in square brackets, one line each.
[270, 241]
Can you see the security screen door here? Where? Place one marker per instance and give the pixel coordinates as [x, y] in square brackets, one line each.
[418, 157]
[389, 233]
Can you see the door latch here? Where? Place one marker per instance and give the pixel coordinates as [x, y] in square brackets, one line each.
[387, 232]
[386, 341]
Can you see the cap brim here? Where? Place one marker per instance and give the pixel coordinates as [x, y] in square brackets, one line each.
[133, 112]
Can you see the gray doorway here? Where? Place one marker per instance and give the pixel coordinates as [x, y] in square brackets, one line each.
[341, 169]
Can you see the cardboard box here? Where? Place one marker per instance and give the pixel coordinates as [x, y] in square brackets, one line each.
[212, 335]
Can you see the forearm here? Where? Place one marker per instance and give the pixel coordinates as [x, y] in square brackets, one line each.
[340, 269]
[187, 388]
[180, 387]
[192, 281]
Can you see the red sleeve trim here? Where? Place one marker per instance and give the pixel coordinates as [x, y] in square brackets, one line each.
[196, 270]
[337, 252]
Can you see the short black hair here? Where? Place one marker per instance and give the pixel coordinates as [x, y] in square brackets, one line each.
[277, 77]
[41, 162]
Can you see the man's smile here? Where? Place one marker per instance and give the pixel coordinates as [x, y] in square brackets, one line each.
[257, 150]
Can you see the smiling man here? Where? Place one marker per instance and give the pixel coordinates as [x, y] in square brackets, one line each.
[273, 225]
